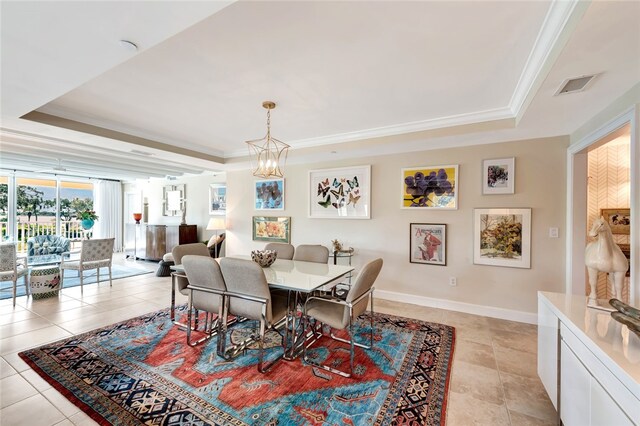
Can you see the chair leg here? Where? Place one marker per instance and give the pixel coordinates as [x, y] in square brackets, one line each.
[81, 282]
[97, 275]
[110, 278]
[15, 283]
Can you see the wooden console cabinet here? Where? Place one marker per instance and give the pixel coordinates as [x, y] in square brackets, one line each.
[151, 242]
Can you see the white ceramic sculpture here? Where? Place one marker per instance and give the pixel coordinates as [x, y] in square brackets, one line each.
[604, 255]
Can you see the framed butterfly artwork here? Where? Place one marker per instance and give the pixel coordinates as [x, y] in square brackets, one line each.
[340, 193]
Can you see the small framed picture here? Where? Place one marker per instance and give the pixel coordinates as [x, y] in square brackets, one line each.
[273, 229]
[269, 194]
[502, 237]
[619, 220]
[217, 199]
[428, 243]
[430, 187]
[499, 176]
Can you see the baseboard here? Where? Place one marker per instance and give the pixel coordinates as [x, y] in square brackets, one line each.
[469, 308]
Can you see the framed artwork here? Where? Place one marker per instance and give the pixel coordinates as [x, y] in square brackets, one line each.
[619, 220]
[428, 243]
[274, 229]
[499, 176]
[217, 199]
[502, 237]
[430, 187]
[340, 193]
[173, 200]
[269, 194]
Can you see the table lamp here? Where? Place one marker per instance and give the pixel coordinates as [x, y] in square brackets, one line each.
[215, 224]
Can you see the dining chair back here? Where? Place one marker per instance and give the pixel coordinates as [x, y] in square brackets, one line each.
[206, 293]
[181, 282]
[11, 269]
[312, 253]
[94, 254]
[283, 250]
[341, 314]
[249, 296]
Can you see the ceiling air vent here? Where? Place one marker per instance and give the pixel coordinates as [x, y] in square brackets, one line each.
[573, 85]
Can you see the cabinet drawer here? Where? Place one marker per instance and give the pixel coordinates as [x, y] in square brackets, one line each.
[619, 394]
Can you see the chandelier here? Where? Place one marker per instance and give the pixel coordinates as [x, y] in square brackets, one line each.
[268, 155]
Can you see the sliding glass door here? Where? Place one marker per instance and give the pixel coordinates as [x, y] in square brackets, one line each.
[32, 206]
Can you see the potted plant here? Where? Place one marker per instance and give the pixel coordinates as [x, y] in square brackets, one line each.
[87, 218]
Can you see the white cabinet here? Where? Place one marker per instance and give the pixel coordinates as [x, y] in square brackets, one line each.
[548, 336]
[574, 394]
[595, 359]
[604, 411]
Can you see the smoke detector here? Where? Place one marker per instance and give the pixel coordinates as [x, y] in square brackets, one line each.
[577, 84]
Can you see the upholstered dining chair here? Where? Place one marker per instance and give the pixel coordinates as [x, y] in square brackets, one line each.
[312, 253]
[12, 268]
[340, 314]
[283, 250]
[178, 252]
[206, 293]
[94, 254]
[248, 296]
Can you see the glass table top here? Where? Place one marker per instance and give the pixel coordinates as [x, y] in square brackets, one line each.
[45, 259]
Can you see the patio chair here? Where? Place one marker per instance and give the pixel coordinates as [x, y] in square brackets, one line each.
[248, 296]
[340, 314]
[206, 293]
[283, 250]
[12, 268]
[181, 282]
[94, 254]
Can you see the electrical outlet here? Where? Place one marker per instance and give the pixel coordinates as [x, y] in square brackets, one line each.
[453, 281]
[553, 232]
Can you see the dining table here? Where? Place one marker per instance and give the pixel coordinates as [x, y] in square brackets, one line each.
[299, 278]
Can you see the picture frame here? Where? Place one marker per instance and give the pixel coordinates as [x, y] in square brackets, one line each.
[340, 193]
[499, 176]
[619, 220]
[272, 229]
[428, 243]
[217, 199]
[173, 199]
[502, 237]
[268, 194]
[430, 187]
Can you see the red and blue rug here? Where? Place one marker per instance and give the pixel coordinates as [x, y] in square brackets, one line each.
[141, 371]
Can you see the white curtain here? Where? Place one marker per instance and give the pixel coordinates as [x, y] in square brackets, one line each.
[107, 202]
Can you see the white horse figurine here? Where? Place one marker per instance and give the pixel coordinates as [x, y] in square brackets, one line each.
[603, 255]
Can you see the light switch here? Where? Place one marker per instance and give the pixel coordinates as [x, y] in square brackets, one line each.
[553, 232]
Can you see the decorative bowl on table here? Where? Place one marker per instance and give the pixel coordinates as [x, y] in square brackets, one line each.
[264, 258]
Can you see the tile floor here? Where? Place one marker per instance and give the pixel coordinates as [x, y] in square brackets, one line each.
[493, 382]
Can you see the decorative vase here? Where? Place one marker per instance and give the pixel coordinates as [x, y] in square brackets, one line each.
[137, 217]
[87, 224]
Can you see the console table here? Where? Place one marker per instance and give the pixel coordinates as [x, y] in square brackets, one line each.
[588, 362]
[151, 242]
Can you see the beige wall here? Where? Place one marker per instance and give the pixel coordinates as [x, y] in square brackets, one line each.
[197, 195]
[540, 184]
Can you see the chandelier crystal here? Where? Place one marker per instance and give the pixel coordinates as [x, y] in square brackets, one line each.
[268, 155]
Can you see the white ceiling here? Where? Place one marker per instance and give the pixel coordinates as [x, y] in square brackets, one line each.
[340, 72]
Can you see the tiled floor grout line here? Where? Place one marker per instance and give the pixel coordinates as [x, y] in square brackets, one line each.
[504, 394]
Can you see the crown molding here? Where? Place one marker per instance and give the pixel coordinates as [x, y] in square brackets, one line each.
[398, 129]
[559, 23]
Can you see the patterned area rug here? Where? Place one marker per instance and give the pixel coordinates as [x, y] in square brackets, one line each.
[142, 371]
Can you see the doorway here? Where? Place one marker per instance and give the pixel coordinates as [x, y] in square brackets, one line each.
[602, 179]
